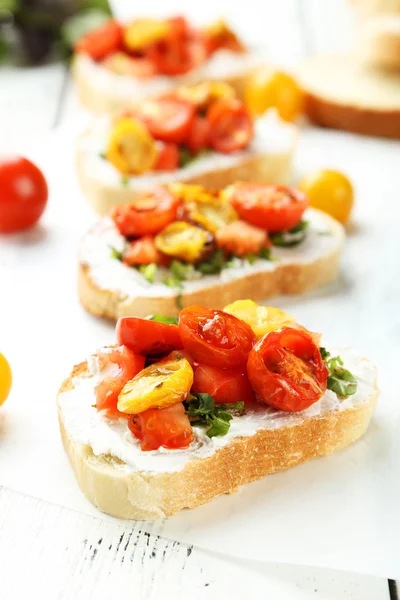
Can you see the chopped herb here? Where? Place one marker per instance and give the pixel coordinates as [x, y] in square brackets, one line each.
[185, 157]
[251, 258]
[203, 412]
[214, 265]
[180, 270]
[149, 272]
[179, 302]
[114, 253]
[166, 320]
[340, 380]
[102, 155]
[172, 281]
[124, 180]
[266, 254]
[291, 237]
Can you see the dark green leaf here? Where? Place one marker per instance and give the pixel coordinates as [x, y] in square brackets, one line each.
[324, 353]
[203, 411]
[340, 380]
[292, 237]
[185, 157]
[166, 320]
[149, 272]
[218, 426]
[251, 258]
[265, 253]
[214, 265]
[114, 253]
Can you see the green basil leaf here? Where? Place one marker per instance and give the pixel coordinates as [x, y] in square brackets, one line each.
[291, 237]
[218, 427]
[265, 253]
[114, 253]
[166, 320]
[214, 264]
[340, 380]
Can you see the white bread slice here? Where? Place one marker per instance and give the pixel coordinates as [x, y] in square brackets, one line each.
[102, 91]
[269, 158]
[372, 7]
[378, 42]
[161, 484]
[343, 93]
[108, 288]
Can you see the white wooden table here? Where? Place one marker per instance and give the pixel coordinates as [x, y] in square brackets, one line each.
[47, 551]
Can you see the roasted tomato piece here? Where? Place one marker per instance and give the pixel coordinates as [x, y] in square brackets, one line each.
[219, 36]
[141, 33]
[117, 366]
[168, 158]
[231, 127]
[168, 119]
[224, 385]
[123, 64]
[262, 319]
[273, 207]
[286, 370]
[149, 338]
[241, 238]
[131, 149]
[159, 385]
[162, 427]
[215, 338]
[178, 53]
[148, 213]
[143, 251]
[184, 241]
[199, 134]
[205, 93]
[102, 41]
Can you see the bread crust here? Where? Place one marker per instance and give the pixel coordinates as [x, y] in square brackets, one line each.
[102, 100]
[145, 495]
[254, 167]
[294, 278]
[364, 121]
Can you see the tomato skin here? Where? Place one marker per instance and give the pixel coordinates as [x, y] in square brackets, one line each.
[224, 385]
[124, 365]
[231, 127]
[286, 370]
[102, 41]
[168, 119]
[273, 207]
[143, 251]
[241, 238]
[168, 158]
[149, 213]
[166, 427]
[24, 194]
[148, 338]
[215, 338]
[330, 191]
[199, 134]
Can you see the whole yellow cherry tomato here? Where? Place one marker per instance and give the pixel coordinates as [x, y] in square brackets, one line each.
[274, 89]
[5, 379]
[159, 385]
[131, 149]
[331, 192]
[262, 319]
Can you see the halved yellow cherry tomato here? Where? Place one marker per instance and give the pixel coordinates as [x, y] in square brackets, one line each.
[159, 385]
[185, 241]
[143, 32]
[330, 191]
[262, 319]
[274, 89]
[131, 149]
[203, 94]
[5, 379]
[189, 192]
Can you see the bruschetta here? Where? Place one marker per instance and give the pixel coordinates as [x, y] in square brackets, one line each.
[117, 66]
[183, 410]
[198, 134]
[183, 244]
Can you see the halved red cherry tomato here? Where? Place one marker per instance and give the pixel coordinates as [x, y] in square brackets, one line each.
[168, 119]
[231, 127]
[199, 134]
[179, 26]
[215, 338]
[224, 385]
[101, 41]
[144, 252]
[168, 158]
[273, 207]
[241, 238]
[179, 52]
[286, 370]
[166, 427]
[148, 213]
[121, 365]
[149, 338]
[23, 193]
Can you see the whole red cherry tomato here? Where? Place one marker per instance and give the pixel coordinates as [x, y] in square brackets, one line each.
[166, 427]
[272, 207]
[286, 370]
[215, 338]
[23, 194]
[224, 385]
[146, 337]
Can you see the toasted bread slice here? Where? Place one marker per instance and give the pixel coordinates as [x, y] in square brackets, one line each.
[102, 91]
[108, 288]
[344, 93]
[123, 481]
[378, 42]
[269, 158]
